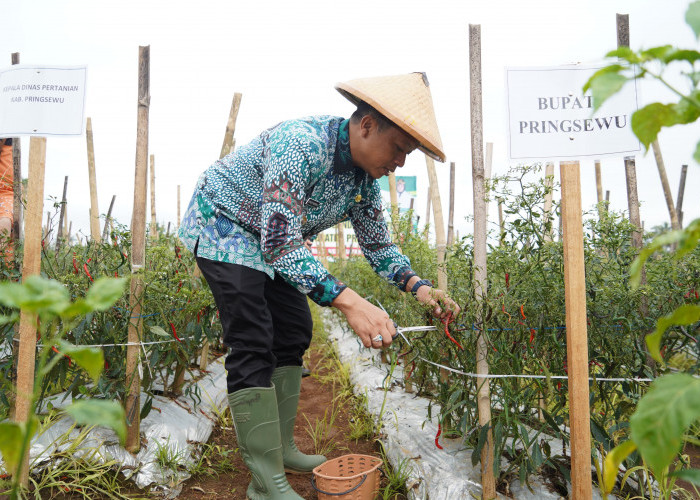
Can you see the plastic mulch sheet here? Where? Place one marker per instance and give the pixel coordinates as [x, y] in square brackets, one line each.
[409, 436]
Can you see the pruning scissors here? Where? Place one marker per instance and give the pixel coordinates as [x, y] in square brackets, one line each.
[401, 329]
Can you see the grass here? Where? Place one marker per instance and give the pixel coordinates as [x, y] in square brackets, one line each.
[331, 371]
[214, 460]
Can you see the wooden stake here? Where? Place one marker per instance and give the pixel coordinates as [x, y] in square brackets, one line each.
[440, 237]
[108, 219]
[227, 146]
[576, 331]
[154, 225]
[549, 186]
[633, 200]
[94, 210]
[138, 254]
[31, 267]
[451, 211]
[681, 192]
[665, 185]
[480, 274]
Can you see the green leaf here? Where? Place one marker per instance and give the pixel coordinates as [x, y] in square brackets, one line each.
[656, 52]
[690, 475]
[647, 121]
[104, 292]
[662, 417]
[696, 154]
[77, 308]
[604, 83]
[686, 110]
[97, 412]
[687, 314]
[656, 244]
[624, 53]
[611, 466]
[483, 436]
[682, 55]
[91, 359]
[36, 295]
[157, 330]
[11, 437]
[692, 17]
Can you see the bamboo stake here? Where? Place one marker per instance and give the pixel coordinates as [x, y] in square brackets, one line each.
[154, 225]
[61, 218]
[228, 144]
[394, 199]
[178, 208]
[665, 185]
[138, 253]
[340, 243]
[440, 237]
[451, 211]
[599, 186]
[94, 210]
[427, 207]
[16, 181]
[108, 220]
[31, 267]
[681, 192]
[480, 272]
[576, 331]
[549, 187]
[501, 228]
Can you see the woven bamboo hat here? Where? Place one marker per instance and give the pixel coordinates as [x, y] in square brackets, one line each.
[406, 101]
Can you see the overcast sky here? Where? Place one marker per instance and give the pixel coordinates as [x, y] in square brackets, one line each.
[284, 57]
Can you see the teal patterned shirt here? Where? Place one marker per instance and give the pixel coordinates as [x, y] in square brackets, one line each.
[256, 206]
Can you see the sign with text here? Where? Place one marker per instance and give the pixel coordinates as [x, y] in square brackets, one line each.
[549, 116]
[42, 100]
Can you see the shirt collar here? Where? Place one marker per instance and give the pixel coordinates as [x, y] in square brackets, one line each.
[343, 158]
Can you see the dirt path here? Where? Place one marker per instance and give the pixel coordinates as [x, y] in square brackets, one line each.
[316, 404]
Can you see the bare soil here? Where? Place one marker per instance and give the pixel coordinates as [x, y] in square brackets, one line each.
[315, 399]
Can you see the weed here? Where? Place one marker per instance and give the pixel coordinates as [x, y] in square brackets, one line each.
[321, 431]
[213, 460]
[396, 477]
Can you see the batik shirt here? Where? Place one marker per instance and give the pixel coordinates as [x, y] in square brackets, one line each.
[256, 206]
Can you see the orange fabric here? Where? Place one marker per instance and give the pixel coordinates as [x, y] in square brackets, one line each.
[6, 193]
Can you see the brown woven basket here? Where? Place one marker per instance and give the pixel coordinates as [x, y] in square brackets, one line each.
[350, 477]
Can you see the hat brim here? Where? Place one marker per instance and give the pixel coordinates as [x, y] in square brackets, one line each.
[356, 95]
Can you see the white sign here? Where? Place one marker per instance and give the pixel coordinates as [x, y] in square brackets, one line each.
[42, 100]
[549, 116]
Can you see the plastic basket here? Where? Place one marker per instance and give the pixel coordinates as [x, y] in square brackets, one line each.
[350, 477]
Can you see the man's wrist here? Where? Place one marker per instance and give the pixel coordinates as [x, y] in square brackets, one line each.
[419, 283]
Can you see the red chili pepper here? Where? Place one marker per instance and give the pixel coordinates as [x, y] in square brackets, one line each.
[179, 285]
[521, 311]
[198, 315]
[507, 281]
[413, 367]
[172, 327]
[503, 308]
[177, 252]
[559, 385]
[85, 267]
[532, 335]
[75, 266]
[447, 332]
[437, 436]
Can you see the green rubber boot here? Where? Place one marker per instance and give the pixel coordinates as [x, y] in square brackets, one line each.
[257, 427]
[287, 382]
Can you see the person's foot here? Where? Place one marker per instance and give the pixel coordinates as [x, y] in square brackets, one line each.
[305, 372]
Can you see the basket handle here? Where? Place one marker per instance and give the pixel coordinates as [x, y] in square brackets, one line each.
[313, 485]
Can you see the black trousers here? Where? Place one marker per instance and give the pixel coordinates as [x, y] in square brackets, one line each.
[266, 323]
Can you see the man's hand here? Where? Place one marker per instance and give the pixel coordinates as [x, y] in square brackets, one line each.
[308, 243]
[371, 324]
[443, 307]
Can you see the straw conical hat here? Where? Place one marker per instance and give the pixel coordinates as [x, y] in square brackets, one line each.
[403, 99]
